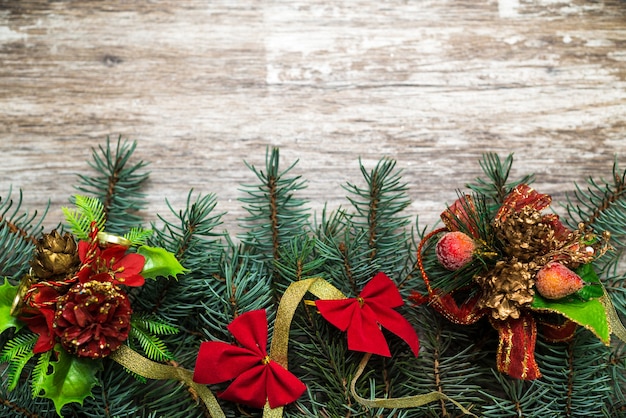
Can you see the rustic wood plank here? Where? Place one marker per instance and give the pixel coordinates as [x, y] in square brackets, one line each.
[204, 85]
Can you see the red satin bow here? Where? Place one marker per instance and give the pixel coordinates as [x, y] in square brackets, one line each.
[257, 378]
[361, 317]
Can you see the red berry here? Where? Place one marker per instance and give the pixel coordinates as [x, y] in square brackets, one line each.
[555, 281]
[455, 250]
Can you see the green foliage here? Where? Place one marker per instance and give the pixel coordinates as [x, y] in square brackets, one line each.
[602, 206]
[117, 184]
[159, 263]
[280, 245]
[17, 352]
[144, 329]
[138, 236]
[88, 210]
[70, 379]
[497, 185]
[18, 235]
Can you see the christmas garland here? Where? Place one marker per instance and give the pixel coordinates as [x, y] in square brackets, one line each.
[499, 257]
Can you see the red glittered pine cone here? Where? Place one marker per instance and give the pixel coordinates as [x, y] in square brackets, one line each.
[92, 319]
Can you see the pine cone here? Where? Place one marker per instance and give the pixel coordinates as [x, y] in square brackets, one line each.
[92, 319]
[56, 256]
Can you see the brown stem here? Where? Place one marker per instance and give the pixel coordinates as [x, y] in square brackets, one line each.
[18, 409]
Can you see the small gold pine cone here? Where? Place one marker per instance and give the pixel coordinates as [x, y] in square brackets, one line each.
[55, 257]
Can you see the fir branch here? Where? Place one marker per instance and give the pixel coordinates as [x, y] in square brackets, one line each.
[18, 234]
[497, 184]
[378, 207]
[275, 214]
[17, 352]
[17, 408]
[19, 226]
[80, 218]
[138, 236]
[145, 329]
[116, 184]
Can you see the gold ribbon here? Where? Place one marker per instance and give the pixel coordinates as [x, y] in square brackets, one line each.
[615, 325]
[405, 402]
[289, 302]
[280, 341]
[149, 369]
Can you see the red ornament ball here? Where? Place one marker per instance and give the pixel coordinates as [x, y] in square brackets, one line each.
[555, 281]
[455, 250]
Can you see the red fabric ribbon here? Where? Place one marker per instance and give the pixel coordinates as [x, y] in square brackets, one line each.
[361, 317]
[516, 348]
[517, 337]
[256, 378]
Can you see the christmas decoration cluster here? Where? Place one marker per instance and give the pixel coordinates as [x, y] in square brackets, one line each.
[361, 314]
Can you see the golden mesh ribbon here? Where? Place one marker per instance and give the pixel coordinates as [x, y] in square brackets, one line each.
[404, 402]
[149, 369]
[615, 325]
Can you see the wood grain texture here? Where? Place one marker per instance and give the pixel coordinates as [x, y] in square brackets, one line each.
[203, 85]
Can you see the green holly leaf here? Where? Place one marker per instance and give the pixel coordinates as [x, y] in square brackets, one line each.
[7, 296]
[159, 263]
[71, 379]
[587, 313]
[593, 288]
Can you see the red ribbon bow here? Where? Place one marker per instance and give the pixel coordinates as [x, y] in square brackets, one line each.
[361, 317]
[517, 337]
[257, 378]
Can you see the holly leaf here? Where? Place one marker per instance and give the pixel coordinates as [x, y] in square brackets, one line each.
[159, 263]
[7, 296]
[70, 380]
[587, 313]
[593, 288]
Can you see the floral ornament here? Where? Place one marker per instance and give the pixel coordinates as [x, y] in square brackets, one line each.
[524, 263]
[256, 379]
[73, 304]
[363, 316]
[87, 312]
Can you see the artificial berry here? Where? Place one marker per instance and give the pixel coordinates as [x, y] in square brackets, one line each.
[555, 281]
[455, 250]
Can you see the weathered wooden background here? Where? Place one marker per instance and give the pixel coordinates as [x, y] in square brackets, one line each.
[203, 85]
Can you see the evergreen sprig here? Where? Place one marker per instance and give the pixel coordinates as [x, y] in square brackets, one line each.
[19, 231]
[348, 247]
[87, 210]
[145, 330]
[17, 352]
[602, 206]
[275, 214]
[497, 185]
[117, 184]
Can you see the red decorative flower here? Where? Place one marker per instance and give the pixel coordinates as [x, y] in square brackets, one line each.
[110, 264]
[38, 314]
[362, 317]
[92, 319]
[256, 378]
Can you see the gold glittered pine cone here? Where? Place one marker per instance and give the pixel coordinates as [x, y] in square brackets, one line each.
[507, 288]
[55, 257]
[525, 235]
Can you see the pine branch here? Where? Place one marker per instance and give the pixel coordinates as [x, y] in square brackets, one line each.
[378, 207]
[117, 185]
[18, 233]
[275, 214]
[497, 185]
